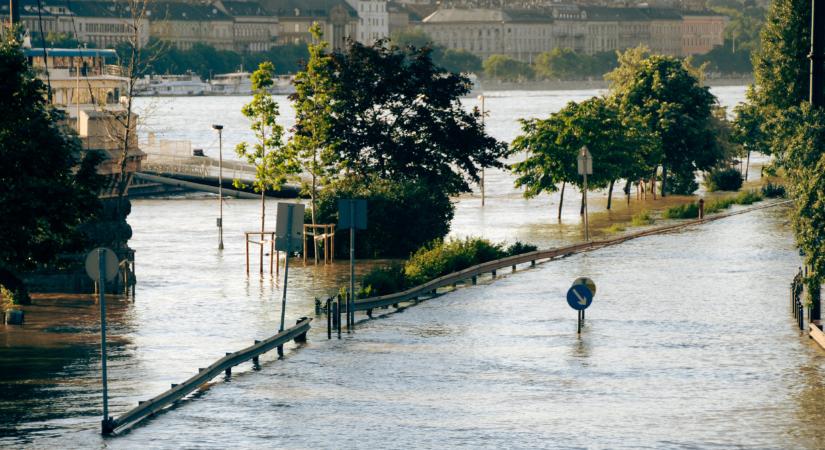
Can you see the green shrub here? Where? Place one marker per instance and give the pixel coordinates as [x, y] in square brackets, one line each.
[642, 218]
[519, 248]
[401, 216]
[441, 258]
[384, 280]
[771, 190]
[718, 205]
[748, 198]
[615, 228]
[729, 179]
[681, 183]
[686, 211]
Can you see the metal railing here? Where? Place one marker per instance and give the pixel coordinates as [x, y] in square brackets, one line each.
[225, 364]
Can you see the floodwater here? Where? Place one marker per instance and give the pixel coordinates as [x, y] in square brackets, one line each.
[689, 342]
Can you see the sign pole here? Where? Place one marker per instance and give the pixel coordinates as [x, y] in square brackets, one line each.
[350, 298]
[586, 224]
[290, 210]
[101, 261]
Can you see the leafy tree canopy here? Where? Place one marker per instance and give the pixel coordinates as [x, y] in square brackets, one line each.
[505, 68]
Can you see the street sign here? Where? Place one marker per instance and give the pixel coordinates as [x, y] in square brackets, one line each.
[585, 281]
[585, 161]
[285, 229]
[579, 297]
[346, 220]
[93, 264]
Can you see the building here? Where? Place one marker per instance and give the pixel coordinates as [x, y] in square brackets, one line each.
[338, 20]
[185, 24]
[373, 20]
[701, 31]
[254, 29]
[484, 32]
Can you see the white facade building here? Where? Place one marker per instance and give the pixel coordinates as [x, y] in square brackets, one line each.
[373, 20]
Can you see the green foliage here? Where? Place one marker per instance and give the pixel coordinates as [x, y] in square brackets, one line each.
[723, 179]
[615, 228]
[724, 60]
[451, 60]
[518, 248]
[665, 95]
[505, 68]
[45, 195]
[686, 211]
[441, 258]
[402, 216]
[422, 133]
[566, 64]
[748, 198]
[384, 280]
[642, 218]
[773, 190]
[272, 160]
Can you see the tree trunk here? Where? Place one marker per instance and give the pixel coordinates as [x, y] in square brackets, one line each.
[610, 194]
[627, 191]
[561, 198]
[747, 165]
[653, 184]
[13, 286]
[263, 222]
[664, 180]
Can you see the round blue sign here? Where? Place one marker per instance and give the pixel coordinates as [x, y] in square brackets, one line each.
[579, 297]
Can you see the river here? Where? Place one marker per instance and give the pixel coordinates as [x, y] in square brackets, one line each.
[688, 343]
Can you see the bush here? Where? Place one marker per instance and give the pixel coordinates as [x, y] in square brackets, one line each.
[718, 205]
[748, 198]
[681, 183]
[384, 280]
[771, 190]
[729, 179]
[686, 211]
[401, 216]
[642, 218]
[441, 258]
[519, 248]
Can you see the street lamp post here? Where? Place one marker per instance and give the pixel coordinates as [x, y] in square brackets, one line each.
[481, 99]
[220, 184]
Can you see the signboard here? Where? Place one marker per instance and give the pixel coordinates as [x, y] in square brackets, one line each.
[285, 239]
[584, 281]
[585, 161]
[579, 297]
[110, 264]
[346, 220]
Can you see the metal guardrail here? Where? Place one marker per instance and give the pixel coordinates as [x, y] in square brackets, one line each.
[225, 364]
[371, 303]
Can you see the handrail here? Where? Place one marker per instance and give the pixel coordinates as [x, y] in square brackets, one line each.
[370, 303]
[179, 391]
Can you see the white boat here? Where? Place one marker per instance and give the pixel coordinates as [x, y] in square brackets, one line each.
[172, 85]
[237, 83]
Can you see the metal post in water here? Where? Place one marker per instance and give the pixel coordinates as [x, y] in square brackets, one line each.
[586, 224]
[101, 265]
[329, 318]
[290, 210]
[481, 98]
[351, 296]
[220, 185]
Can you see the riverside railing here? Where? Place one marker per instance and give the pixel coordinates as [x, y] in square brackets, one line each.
[471, 273]
[225, 365]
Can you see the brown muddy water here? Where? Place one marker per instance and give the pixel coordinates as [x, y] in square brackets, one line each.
[689, 342]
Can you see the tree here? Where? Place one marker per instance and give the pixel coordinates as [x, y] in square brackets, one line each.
[552, 146]
[45, 195]
[560, 63]
[458, 61]
[505, 68]
[273, 161]
[312, 98]
[664, 94]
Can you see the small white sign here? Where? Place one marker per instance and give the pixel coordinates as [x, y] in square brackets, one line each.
[295, 240]
[585, 161]
[110, 264]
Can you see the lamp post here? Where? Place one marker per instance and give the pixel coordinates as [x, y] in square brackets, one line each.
[220, 184]
[481, 99]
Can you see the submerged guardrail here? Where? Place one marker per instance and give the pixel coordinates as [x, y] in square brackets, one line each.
[225, 364]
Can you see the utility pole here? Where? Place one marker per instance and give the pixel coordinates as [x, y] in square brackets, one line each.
[220, 185]
[481, 99]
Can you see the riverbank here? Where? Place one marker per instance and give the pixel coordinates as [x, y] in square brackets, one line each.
[569, 85]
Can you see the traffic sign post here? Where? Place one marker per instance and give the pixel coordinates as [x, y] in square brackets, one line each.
[101, 266]
[580, 297]
[352, 215]
[288, 230]
[585, 168]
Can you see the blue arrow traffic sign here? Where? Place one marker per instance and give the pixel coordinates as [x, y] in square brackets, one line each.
[579, 297]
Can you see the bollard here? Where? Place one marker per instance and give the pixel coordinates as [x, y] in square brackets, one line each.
[494, 274]
[280, 351]
[514, 267]
[474, 279]
[533, 263]
[255, 360]
[317, 306]
[228, 371]
[329, 320]
[701, 208]
[369, 313]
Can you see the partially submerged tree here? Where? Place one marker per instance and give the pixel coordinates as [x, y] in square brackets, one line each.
[45, 196]
[273, 161]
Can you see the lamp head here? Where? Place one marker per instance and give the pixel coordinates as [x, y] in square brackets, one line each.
[217, 127]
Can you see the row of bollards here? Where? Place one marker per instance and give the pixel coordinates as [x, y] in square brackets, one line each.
[796, 299]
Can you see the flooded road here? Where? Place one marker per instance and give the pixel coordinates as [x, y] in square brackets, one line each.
[689, 341]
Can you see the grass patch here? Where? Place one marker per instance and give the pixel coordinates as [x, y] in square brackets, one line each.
[686, 211]
[642, 218]
[615, 228]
